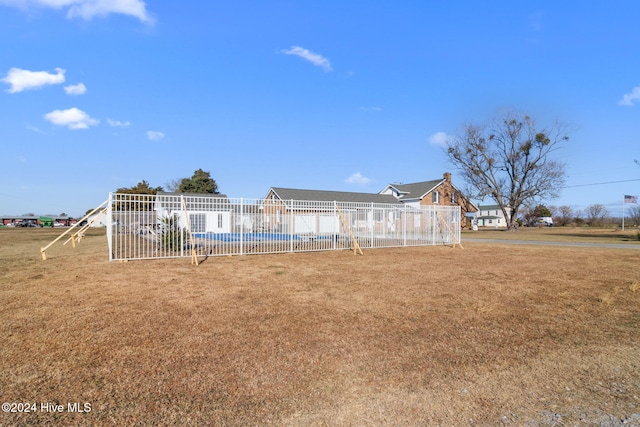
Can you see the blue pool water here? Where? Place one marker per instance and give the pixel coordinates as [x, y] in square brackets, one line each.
[255, 237]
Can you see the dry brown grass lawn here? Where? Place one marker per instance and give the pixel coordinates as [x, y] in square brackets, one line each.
[490, 335]
[631, 235]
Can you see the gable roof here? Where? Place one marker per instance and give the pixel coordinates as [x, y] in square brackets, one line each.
[332, 196]
[416, 190]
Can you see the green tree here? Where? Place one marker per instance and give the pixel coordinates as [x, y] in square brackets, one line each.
[140, 203]
[172, 236]
[541, 211]
[509, 160]
[142, 187]
[200, 182]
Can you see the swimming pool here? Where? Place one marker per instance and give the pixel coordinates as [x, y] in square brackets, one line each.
[257, 237]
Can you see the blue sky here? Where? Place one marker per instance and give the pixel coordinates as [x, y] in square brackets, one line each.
[336, 95]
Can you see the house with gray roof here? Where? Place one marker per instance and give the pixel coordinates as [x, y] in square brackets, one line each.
[413, 194]
[440, 192]
[318, 211]
[492, 216]
[286, 194]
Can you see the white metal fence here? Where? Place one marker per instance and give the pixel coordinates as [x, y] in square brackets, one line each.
[150, 226]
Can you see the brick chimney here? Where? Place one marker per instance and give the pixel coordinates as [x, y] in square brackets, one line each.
[447, 176]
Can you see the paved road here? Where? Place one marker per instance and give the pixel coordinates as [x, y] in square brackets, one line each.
[546, 243]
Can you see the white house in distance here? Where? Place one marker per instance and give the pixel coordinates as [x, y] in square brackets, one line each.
[491, 216]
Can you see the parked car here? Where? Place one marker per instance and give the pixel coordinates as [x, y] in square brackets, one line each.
[545, 221]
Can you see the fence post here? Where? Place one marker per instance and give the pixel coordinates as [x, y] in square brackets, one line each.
[372, 225]
[404, 226]
[434, 214]
[241, 230]
[290, 228]
[110, 226]
[335, 221]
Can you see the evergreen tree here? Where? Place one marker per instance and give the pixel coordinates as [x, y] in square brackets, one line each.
[200, 182]
[142, 187]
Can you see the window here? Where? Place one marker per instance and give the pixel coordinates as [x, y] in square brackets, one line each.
[454, 198]
[435, 197]
[219, 220]
[198, 223]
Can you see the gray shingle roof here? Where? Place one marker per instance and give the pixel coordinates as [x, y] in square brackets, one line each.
[332, 196]
[416, 190]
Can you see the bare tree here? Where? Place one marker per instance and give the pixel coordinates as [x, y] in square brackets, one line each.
[595, 214]
[173, 184]
[526, 214]
[633, 214]
[510, 161]
[565, 215]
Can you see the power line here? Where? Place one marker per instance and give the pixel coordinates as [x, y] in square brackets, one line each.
[601, 183]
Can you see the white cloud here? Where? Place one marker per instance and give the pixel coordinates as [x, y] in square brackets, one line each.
[118, 123]
[33, 128]
[78, 89]
[88, 9]
[20, 79]
[629, 98]
[314, 58]
[357, 178]
[154, 135]
[439, 138]
[72, 118]
[376, 109]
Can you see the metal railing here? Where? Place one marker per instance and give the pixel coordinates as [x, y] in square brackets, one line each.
[150, 226]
